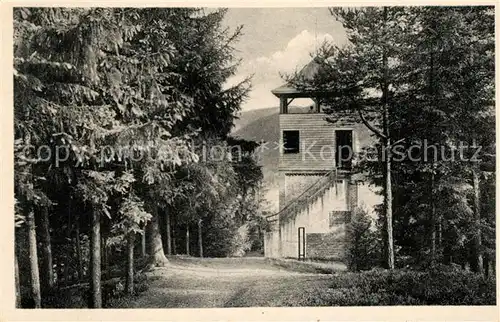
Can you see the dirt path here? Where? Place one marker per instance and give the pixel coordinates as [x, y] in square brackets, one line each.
[227, 282]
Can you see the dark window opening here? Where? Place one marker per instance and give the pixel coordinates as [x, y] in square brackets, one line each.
[343, 149]
[339, 217]
[291, 142]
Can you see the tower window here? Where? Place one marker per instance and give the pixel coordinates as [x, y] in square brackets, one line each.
[291, 142]
[343, 149]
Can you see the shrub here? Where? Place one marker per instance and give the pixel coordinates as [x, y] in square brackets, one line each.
[219, 237]
[363, 243]
[224, 238]
[438, 286]
[240, 243]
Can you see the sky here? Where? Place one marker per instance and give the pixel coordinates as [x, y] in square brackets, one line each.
[277, 40]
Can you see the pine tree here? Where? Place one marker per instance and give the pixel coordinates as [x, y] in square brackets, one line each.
[362, 77]
[449, 70]
[105, 85]
[417, 76]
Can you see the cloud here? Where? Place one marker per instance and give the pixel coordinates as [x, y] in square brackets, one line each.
[296, 54]
[267, 69]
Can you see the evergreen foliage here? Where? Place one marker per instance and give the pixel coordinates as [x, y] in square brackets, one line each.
[110, 104]
[419, 78]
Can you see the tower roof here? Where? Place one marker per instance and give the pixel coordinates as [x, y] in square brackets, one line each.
[308, 72]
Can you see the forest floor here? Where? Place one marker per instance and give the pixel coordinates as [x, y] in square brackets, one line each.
[189, 282]
[226, 282]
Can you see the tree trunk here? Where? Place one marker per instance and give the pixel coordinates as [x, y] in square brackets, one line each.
[200, 238]
[105, 256]
[95, 261]
[156, 252]
[67, 258]
[486, 266]
[33, 256]
[66, 270]
[388, 208]
[432, 93]
[477, 257]
[433, 223]
[433, 237]
[174, 244]
[440, 236]
[174, 235]
[169, 232]
[129, 281]
[79, 250]
[187, 239]
[447, 256]
[388, 147]
[47, 271]
[18, 285]
[143, 243]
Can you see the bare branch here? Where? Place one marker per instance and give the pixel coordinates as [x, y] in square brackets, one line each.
[367, 124]
[398, 141]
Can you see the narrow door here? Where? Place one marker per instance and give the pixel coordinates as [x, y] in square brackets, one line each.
[343, 149]
[302, 243]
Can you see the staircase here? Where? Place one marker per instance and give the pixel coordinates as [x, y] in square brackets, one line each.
[309, 196]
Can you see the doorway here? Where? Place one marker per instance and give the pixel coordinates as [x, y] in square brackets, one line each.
[302, 243]
[343, 149]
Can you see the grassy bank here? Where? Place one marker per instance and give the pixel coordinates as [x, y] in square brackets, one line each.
[404, 287]
[307, 266]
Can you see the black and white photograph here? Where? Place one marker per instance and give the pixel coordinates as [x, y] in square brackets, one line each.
[264, 157]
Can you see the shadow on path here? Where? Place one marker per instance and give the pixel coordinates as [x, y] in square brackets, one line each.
[227, 282]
